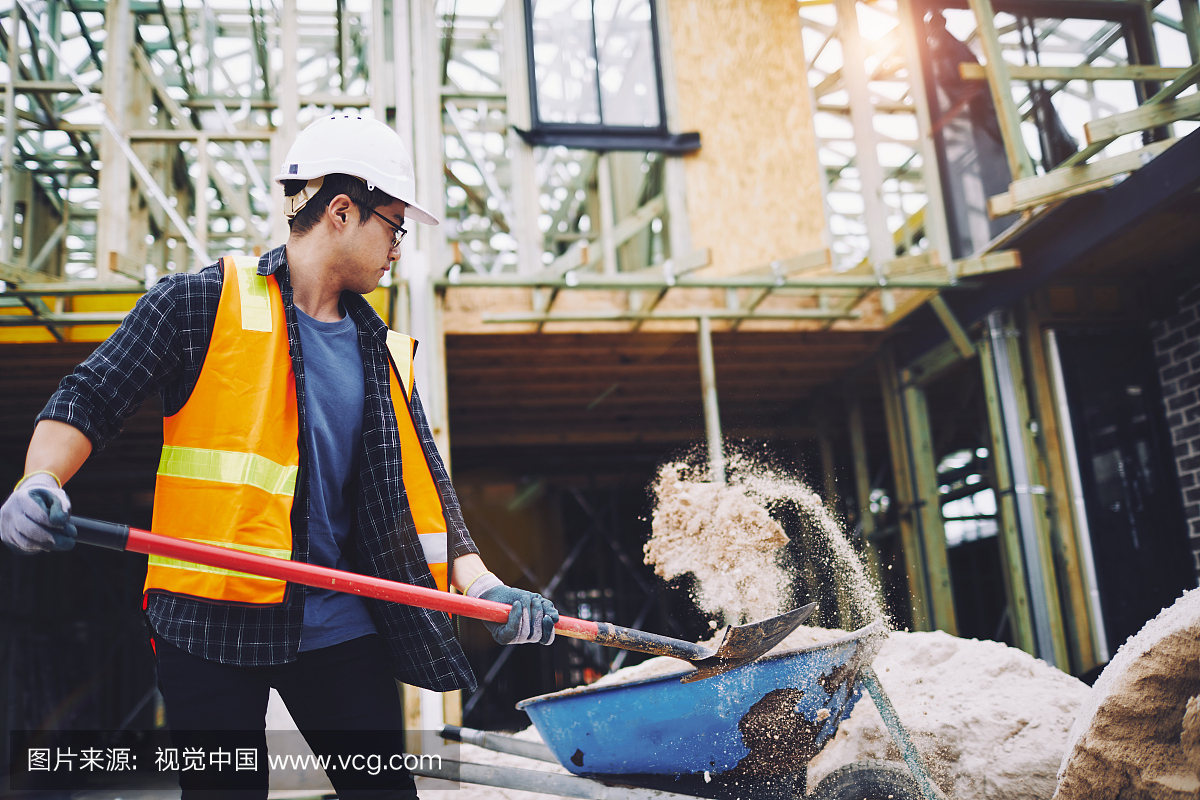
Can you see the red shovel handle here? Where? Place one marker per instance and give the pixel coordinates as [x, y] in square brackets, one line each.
[123, 537]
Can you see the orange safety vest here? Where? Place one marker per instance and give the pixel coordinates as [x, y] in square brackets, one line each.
[230, 459]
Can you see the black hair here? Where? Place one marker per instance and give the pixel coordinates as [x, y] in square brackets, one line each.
[367, 200]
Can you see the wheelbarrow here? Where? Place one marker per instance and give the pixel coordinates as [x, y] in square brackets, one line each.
[749, 733]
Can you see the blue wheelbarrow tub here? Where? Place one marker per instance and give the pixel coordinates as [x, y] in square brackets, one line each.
[769, 717]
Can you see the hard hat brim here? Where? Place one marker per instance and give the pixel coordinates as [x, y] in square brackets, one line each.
[411, 211]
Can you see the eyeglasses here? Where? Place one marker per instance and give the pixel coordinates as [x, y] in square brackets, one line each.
[398, 230]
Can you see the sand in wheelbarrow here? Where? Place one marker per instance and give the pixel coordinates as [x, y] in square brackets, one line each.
[1137, 736]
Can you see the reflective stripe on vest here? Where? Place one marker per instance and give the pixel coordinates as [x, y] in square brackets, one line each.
[225, 467]
[423, 497]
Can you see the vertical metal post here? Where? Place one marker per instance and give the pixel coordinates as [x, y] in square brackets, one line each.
[1022, 488]
[866, 156]
[27, 222]
[712, 413]
[379, 76]
[289, 110]
[1086, 557]
[674, 173]
[203, 169]
[608, 244]
[935, 207]
[517, 109]
[54, 14]
[8, 200]
[113, 223]
[402, 60]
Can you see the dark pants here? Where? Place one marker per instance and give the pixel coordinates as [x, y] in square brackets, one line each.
[334, 694]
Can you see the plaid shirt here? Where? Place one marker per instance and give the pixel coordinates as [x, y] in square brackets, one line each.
[161, 347]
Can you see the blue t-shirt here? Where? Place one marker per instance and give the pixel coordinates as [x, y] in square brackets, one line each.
[333, 405]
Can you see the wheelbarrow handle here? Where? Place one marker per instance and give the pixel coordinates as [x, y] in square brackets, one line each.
[123, 537]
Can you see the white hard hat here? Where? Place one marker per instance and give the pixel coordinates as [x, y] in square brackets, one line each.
[352, 145]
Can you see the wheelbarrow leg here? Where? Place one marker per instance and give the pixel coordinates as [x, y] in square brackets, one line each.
[911, 757]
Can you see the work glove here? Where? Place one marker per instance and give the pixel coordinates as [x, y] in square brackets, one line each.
[532, 617]
[35, 517]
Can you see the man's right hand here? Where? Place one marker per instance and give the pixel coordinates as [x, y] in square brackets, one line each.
[36, 516]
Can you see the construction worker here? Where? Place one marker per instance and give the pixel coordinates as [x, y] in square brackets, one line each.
[293, 429]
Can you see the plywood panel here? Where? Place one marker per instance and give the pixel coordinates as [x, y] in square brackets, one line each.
[752, 189]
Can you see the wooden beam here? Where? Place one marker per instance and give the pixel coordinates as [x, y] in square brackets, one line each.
[929, 510]
[1074, 484]
[999, 79]
[1065, 182]
[658, 316]
[995, 261]
[639, 280]
[1141, 118]
[53, 87]
[678, 266]
[962, 342]
[910, 304]
[1064, 534]
[918, 593]
[1135, 72]
[62, 319]
[931, 365]
[158, 135]
[1168, 92]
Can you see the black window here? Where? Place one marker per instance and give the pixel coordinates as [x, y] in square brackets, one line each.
[594, 75]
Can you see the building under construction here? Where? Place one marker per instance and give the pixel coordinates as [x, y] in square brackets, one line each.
[939, 257]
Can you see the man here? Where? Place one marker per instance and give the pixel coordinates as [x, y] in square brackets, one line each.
[291, 429]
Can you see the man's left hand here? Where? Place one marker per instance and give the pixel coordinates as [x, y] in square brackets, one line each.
[532, 616]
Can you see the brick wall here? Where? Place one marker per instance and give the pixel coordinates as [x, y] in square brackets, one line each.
[1177, 344]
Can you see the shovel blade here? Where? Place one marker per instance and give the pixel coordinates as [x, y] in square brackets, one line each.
[746, 643]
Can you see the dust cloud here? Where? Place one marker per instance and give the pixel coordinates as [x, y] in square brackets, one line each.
[729, 539]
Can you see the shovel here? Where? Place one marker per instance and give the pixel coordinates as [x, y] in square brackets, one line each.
[741, 645]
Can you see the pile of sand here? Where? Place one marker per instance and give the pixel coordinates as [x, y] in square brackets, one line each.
[1137, 735]
[990, 721]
